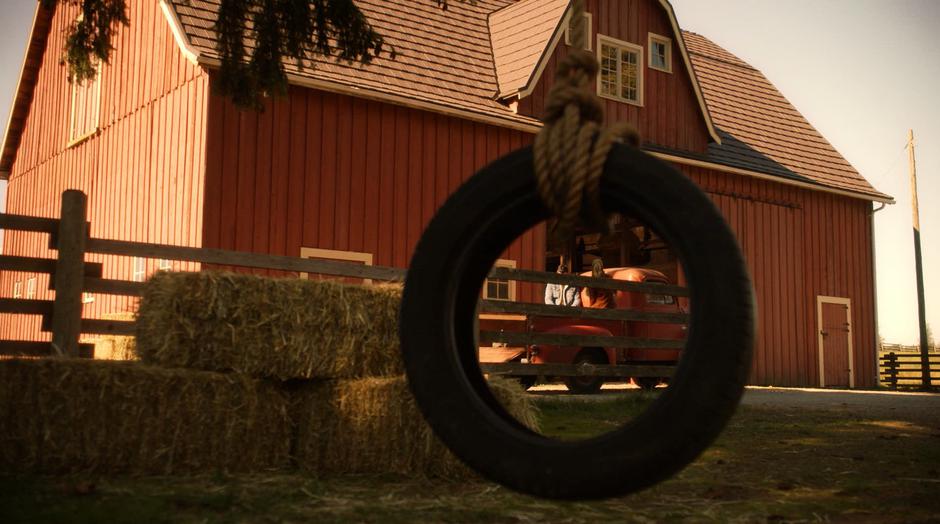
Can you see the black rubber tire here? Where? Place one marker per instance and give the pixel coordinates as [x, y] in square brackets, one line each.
[458, 249]
[586, 385]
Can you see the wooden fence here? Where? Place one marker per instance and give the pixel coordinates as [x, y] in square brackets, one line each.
[903, 366]
[71, 276]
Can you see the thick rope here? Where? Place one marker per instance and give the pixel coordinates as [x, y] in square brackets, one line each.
[572, 147]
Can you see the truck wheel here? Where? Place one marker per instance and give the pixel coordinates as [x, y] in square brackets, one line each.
[586, 385]
[527, 382]
[646, 383]
[439, 306]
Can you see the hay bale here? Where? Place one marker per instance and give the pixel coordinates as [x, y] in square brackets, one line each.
[114, 347]
[373, 426]
[269, 327]
[65, 415]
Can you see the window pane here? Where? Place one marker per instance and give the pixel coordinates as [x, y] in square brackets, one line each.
[629, 75]
[608, 70]
[659, 55]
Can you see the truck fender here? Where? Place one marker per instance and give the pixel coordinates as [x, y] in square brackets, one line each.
[567, 354]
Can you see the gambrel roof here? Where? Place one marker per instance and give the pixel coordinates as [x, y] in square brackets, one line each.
[760, 129]
[465, 61]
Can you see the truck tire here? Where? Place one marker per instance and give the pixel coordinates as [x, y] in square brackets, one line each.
[456, 253]
[586, 385]
[646, 383]
[526, 382]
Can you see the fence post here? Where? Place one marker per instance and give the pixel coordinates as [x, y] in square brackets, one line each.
[69, 273]
[893, 370]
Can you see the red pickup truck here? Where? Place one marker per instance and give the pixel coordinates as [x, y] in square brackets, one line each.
[548, 354]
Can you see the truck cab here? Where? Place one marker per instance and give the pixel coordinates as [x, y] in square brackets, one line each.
[631, 300]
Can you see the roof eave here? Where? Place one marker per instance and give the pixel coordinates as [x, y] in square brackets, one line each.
[176, 27]
[25, 85]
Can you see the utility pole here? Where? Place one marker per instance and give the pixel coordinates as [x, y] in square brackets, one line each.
[918, 261]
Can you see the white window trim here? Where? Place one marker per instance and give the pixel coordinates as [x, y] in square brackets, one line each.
[603, 39]
[18, 289]
[75, 140]
[512, 283]
[31, 288]
[352, 256]
[87, 298]
[165, 265]
[139, 273]
[590, 27]
[653, 37]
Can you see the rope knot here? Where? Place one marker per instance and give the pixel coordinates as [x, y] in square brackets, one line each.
[572, 148]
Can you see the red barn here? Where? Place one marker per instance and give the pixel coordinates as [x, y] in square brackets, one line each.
[355, 160]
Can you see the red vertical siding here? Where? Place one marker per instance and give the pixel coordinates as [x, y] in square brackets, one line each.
[142, 170]
[799, 245]
[359, 176]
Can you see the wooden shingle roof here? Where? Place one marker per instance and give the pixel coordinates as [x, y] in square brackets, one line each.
[442, 57]
[760, 129]
[461, 60]
[518, 47]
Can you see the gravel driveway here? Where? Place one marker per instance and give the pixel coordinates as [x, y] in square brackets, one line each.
[922, 406]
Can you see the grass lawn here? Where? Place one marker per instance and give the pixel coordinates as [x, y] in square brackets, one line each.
[771, 464]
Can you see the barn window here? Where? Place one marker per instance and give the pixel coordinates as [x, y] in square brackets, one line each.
[165, 265]
[569, 30]
[621, 76]
[87, 298]
[18, 289]
[140, 269]
[660, 49]
[31, 288]
[86, 105]
[500, 289]
[332, 255]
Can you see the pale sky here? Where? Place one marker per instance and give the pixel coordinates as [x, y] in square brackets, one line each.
[862, 72]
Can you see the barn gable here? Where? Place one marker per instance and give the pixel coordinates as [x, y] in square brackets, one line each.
[522, 52]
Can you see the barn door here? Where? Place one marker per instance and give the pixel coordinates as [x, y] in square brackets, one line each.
[835, 342]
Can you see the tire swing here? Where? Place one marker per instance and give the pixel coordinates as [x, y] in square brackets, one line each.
[497, 205]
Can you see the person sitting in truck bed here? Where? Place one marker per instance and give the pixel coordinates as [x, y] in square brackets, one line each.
[562, 294]
[599, 298]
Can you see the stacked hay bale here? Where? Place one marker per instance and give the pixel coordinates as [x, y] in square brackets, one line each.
[239, 373]
[336, 344]
[72, 415]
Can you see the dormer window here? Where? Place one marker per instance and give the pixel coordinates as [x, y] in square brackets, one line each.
[660, 53]
[569, 30]
[621, 74]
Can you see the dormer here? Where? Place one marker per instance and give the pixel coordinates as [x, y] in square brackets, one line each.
[645, 78]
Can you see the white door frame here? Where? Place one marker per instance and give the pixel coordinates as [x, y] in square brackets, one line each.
[820, 300]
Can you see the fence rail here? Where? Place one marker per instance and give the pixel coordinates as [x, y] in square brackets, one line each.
[71, 276]
[907, 369]
[578, 370]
